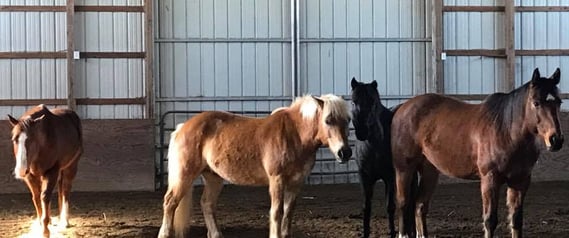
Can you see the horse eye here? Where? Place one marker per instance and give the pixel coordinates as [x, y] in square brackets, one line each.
[328, 120]
[536, 103]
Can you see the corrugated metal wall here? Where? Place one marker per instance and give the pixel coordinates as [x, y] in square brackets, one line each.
[473, 30]
[533, 31]
[110, 78]
[236, 55]
[32, 31]
[209, 50]
[370, 40]
[95, 78]
[540, 30]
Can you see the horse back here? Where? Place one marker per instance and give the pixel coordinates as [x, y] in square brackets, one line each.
[439, 128]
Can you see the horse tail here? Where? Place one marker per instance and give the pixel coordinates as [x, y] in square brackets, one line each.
[182, 213]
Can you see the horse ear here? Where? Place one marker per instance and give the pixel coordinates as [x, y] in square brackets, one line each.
[374, 84]
[319, 100]
[354, 82]
[556, 76]
[536, 76]
[13, 121]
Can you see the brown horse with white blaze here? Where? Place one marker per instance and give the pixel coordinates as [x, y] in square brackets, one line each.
[497, 142]
[278, 150]
[47, 146]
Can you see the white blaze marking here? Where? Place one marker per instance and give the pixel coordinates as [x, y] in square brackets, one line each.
[550, 97]
[21, 157]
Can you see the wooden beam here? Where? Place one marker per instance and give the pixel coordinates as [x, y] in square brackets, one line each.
[437, 47]
[477, 52]
[111, 101]
[80, 101]
[542, 9]
[149, 61]
[63, 55]
[30, 8]
[25, 8]
[71, 103]
[501, 53]
[113, 55]
[109, 8]
[469, 97]
[481, 97]
[473, 9]
[549, 52]
[509, 38]
[33, 55]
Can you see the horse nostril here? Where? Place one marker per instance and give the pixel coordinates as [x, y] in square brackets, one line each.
[348, 153]
[345, 153]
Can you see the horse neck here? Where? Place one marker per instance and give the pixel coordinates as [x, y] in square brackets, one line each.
[378, 132]
[307, 130]
[512, 123]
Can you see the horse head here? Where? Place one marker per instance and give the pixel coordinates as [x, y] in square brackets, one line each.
[24, 139]
[542, 109]
[365, 99]
[333, 126]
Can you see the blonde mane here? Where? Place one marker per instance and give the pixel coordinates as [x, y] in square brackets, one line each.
[333, 105]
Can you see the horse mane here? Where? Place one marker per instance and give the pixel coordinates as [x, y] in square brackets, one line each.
[28, 118]
[308, 105]
[503, 109]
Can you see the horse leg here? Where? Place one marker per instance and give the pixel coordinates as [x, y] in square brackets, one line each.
[390, 204]
[291, 191]
[49, 180]
[175, 218]
[489, 187]
[276, 190]
[515, 197]
[403, 182]
[213, 184]
[429, 180]
[65, 179]
[34, 184]
[367, 189]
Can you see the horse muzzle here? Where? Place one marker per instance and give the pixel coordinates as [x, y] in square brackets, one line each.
[556, 142]
[344, 154]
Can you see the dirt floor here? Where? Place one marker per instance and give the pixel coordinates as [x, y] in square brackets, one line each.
[322, 211]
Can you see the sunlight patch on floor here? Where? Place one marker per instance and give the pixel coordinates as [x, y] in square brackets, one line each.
[36, 230]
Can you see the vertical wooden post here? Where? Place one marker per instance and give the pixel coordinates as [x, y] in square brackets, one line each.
[149, 62]
[437, 82]
[509, 83]
[70, 10]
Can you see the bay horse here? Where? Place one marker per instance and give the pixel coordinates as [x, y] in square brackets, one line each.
[497, 141]
[372, 123]
[278, 150]
[47, 145]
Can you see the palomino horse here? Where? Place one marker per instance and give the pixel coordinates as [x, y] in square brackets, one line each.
[495, 141]
[47, 146]
[278, 150]
[372, 122]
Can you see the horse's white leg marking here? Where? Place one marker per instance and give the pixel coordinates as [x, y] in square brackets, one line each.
[403, 236]
[289, 204]
[212, 189]
[276, 190]
[21, 157]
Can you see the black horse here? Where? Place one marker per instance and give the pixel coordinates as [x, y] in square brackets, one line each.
[372, 121]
